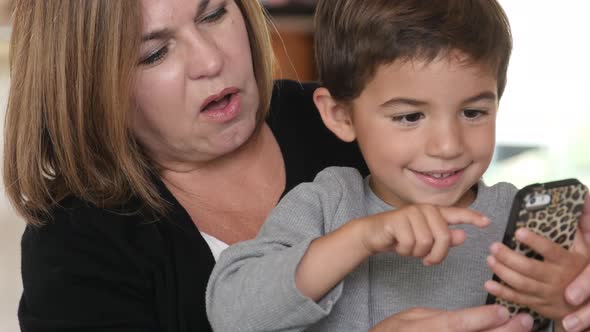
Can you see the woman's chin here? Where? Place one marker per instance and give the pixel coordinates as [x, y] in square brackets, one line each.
[233, 139]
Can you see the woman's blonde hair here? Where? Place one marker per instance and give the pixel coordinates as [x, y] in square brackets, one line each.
[67, 132]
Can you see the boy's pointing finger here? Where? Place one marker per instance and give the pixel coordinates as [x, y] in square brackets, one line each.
[455, 216]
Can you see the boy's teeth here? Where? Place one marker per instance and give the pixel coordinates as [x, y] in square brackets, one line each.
[439, 175]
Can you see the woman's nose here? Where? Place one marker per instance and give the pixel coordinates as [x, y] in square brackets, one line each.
[204, 57]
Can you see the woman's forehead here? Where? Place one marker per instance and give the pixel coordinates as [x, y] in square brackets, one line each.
[159, 14]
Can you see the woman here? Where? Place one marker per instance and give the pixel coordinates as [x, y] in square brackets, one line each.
[132, 126]
[138, 145]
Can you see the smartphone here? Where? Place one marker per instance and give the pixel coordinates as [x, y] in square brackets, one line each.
[551, 209]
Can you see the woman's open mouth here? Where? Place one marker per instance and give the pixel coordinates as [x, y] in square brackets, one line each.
[222, 107]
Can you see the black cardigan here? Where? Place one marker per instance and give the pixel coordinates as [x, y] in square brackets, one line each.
[91, 269]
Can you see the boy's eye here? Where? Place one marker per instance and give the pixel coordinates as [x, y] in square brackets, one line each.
[217, 15]
[154, 57]
[408, 119]
[473, 114]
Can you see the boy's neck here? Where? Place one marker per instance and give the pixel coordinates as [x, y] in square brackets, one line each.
[468, 198]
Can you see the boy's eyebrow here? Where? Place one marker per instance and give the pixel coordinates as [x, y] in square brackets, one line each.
[403, 101]
[166, 33]
[486, 95]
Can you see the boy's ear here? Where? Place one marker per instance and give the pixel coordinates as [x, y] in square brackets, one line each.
[335, 116]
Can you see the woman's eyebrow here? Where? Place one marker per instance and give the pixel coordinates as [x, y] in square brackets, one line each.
[166, 33]
[157, 34]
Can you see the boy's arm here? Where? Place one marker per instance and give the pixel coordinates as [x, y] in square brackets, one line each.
[252, 286]
[415, 230]
[329, 259]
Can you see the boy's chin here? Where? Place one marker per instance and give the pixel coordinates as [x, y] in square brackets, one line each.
[459, 200]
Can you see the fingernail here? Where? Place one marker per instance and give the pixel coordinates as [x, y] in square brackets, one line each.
[526, 321]
[574, 296]
[570, 323]
[486, 220]
[491, 261]
[503, 314]
[521, 234]
[494, 248]
[491, 286]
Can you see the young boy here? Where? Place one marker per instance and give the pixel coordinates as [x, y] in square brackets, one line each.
[416, 84]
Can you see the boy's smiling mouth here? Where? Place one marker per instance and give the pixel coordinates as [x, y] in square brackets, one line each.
[440, 175]
[440, 179]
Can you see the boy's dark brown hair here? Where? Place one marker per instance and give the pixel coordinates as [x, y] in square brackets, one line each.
[354, 37]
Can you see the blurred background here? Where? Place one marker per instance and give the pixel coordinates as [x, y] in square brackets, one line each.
[11, 226]
[543, 123]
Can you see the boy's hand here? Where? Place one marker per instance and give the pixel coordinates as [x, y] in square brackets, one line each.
[540, 285]
[419, 231]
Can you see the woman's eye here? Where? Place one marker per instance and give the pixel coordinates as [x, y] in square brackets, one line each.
[215, 16]
[408, 119]
[154, 57]
[473, 114]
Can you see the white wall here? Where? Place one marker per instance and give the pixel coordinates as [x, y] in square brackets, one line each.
[547, 100]
[11, 227]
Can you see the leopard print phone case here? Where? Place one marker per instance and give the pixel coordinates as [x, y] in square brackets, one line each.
[551, 209]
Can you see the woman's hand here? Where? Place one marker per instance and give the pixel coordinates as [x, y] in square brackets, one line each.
[491, 318]
[578, 292]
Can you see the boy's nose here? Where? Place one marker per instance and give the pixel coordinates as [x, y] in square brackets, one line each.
[445, 141]
[204, 58]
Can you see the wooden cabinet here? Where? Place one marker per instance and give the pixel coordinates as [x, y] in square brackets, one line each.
[293, 46]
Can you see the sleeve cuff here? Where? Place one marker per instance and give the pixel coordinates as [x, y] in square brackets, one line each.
[318, 309]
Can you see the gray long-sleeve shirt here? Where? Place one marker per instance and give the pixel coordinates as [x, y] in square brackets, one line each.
[252, 287]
